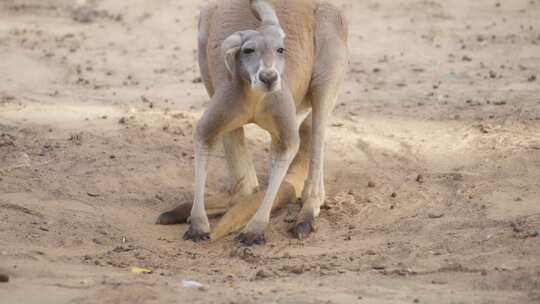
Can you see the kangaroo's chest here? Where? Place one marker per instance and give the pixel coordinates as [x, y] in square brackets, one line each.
[263, 114]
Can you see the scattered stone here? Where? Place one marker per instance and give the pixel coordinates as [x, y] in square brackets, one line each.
[85, 14]
[483, 129]
[371, 184]
[296, 269]
[122, 121]
[4, 278]
[393, 195]
[499, 103]
[196, 80]
[376, 70]
[466, 58]
[7, 140]
[262, 274]
[492, 74]
[76, 138]
[435, 215]
[420, 179]
[6, 98]
[193, 285]
[532, 78]
[458, 177]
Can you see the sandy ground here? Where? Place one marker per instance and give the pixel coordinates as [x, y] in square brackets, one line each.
[433, 160]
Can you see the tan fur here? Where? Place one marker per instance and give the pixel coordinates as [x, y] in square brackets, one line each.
[315, 62]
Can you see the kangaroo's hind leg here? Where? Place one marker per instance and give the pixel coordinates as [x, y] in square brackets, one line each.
[242, 175]
[329, 71]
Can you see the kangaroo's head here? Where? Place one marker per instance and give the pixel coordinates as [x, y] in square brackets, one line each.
[257, 56]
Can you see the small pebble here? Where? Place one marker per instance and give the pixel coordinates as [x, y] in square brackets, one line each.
[4, 278]
[261, 274]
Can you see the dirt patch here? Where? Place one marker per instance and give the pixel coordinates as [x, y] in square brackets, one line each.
[433, 160]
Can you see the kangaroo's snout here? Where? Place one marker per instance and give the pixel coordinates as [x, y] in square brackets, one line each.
[268, 77]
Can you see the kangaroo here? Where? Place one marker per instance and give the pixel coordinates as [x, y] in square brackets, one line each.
[279, 64]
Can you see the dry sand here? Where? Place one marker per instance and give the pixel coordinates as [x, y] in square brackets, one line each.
[440, 115]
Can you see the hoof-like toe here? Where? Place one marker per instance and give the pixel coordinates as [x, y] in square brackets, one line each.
[303, 229]
[178, 215]
[250, 238]
[196, 235]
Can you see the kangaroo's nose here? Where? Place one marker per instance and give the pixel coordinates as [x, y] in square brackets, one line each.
[268, 77]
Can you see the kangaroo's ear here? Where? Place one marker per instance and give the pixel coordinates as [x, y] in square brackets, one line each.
[264, 12]
[231, 46]
[229, 49]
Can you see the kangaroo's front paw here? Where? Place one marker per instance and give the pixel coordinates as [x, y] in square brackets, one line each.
[304, 228]
[253, 234]
[250, 238]
[199, 230]
[305, 223]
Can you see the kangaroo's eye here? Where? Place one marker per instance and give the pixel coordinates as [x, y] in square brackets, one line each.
[280, 50]
[248, 51]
